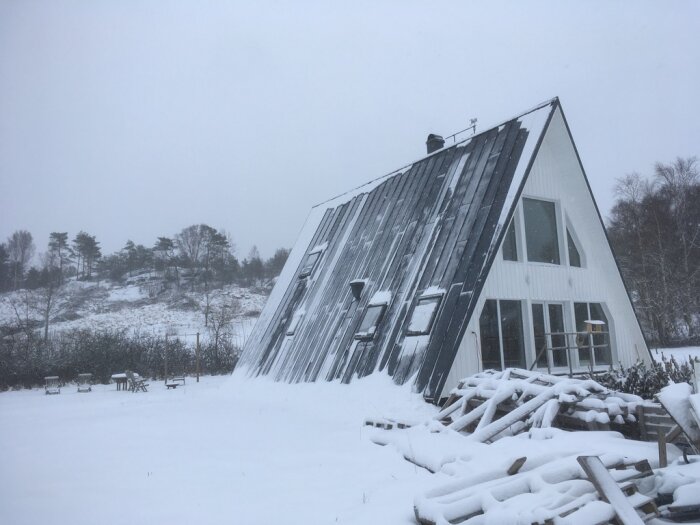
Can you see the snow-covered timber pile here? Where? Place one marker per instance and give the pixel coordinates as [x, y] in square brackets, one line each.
[507, 463]
[525, 399]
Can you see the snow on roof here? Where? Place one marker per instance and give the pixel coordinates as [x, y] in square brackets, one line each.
[318, 248]
[381, 297]
[406, 231]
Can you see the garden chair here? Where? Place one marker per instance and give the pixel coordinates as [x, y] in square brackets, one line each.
[84, 382]
[52, 385]
[136, 384]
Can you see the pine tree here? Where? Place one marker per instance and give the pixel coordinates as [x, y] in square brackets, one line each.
[58, 245]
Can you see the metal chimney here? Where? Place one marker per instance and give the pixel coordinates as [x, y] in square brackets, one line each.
[434, 142]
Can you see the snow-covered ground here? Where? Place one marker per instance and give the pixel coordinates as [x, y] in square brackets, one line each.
[226, 450]
[106, 306]
[232, 449]
[681, 354]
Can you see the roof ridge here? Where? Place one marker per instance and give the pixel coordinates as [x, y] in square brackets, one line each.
[551, 101]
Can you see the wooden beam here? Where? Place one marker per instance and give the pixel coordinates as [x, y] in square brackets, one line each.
[609, 491]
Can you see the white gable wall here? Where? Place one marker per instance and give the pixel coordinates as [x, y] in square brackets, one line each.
[556, 175]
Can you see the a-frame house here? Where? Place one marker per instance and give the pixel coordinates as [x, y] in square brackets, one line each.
[489, 253]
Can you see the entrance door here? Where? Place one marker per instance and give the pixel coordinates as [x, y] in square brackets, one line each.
[549, 330]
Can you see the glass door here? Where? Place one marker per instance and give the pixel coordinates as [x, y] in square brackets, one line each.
[549, 329]
[557, 335]
[502, 340]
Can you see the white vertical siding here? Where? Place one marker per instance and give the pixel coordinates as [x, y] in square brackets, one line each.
[556, 175]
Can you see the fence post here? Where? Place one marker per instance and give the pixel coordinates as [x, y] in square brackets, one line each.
[166, 359]
[196, 353]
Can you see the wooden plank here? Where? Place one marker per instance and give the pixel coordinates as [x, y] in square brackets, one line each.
[523, 411]
[654, 408]
[516, 466]
[673, 434]
[608, 490]
[659, 420]
[663, 454]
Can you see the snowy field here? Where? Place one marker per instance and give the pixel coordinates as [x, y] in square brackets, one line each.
[681, 354]
[226, 450]
[236, 450]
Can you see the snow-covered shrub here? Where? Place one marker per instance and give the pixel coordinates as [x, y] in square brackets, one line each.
[646, 380]
[24, 362]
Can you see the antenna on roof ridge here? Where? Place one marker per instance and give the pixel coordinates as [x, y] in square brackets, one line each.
[472, 126]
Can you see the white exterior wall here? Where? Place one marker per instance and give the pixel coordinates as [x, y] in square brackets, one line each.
[556, 175]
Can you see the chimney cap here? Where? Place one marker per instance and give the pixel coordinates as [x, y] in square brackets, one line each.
[434, 142]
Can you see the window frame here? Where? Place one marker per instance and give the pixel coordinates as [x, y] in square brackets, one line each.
[566, 311]
[515, 223]
[608, 335]
[371, 331]
[433, 315]
[571, 234]
[307, 269]
[561, 244]
[501, 346]
[294, 323]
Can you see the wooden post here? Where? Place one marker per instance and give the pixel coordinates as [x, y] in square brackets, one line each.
[663, 458]
[166, 359]
[196, 353]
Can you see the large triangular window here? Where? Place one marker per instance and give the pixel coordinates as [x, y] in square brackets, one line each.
[541, 233]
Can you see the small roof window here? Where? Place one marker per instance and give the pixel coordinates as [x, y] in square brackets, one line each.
[311, 261]
[292, 328]
[370, 321]
[424, 315]
[374, 313]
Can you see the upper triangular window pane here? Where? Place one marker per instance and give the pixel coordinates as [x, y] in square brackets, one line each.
[510, 244]
[574, 254]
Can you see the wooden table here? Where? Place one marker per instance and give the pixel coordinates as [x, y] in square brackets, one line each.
[121, 381]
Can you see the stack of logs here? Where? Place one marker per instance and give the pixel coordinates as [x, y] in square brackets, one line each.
[496, 403]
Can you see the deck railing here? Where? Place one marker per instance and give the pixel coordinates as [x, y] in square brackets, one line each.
[579, 341]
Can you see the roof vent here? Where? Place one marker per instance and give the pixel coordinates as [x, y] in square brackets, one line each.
[434, 142]
[357, 286]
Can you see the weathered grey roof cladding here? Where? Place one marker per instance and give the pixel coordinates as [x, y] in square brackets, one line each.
[435, 226]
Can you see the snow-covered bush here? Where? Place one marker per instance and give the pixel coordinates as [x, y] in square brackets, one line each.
[24, 362]
[646, 380]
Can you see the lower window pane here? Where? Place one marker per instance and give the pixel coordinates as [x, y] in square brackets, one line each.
[582, 336]
[540, 339]
[488, 326]
[512, 332]
[510, 246]
[602, 354]
[558, 338]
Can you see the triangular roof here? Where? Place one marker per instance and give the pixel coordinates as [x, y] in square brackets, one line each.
[435, 224]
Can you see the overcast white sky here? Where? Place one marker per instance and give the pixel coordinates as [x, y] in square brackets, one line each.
[132, 119]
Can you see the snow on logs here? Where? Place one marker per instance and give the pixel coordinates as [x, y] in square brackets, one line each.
[492, 404]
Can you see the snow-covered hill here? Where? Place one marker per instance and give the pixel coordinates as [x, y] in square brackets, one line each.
[135, 306]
